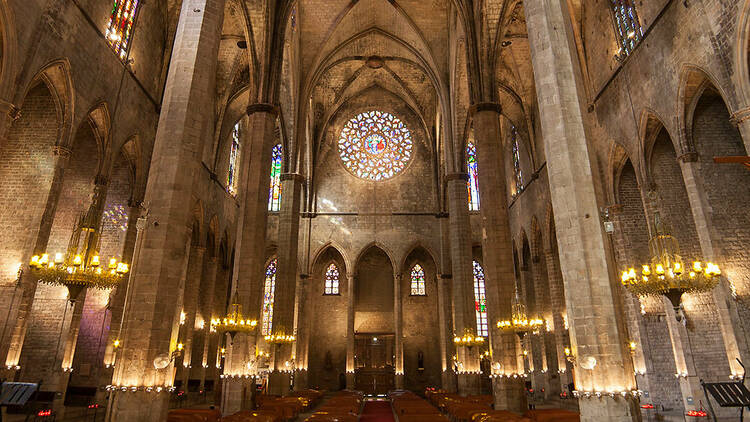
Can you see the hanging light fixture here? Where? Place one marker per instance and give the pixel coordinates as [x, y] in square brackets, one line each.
[520, 323]
[80, 267]
[234, 322]
[666, 273]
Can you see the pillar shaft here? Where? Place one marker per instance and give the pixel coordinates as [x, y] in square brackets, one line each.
[203, 337]
[350, 363]
[190, 308]
[398, 323]
[596, 330]
[152, 322]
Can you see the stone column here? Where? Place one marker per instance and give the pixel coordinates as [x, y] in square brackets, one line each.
[398, 323]
[596, 330]
[445, 303]
[190, 308]
[497, 254]
[250, 249]
[464, 317]
[302, 328]
[203, 338]
[61, 374]
[23, 299]
[541, 310]
[557, 302]
[741, 119]
[286, 280]
[350, 363]
[152, 323]
[687, 377]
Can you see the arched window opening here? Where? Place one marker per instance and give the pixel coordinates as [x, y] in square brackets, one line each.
[417, 281]
[269, 289]
[274, 194]
[332, 280]
[480, 301]
[473, 183]
[234, 161]
[120, 27]
[518, 174]
[627, 26]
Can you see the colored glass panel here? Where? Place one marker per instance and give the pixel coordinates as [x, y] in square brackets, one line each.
[332, 280]
[516, 162]
[375, 145]
[417, 281]
[627, 26]
[234, 163]
[269, 290]
[274, 194]
[473, 183]
[480, 301]
[120, 27]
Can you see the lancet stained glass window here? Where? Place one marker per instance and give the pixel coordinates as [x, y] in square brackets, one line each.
[375, 145]
[417, 281]
[269, 290]
[274, 194]
[473, 183]
[120, 28]
[516, 161]
[480, 301]
[332, 280]
[234, 161]
[627, 26]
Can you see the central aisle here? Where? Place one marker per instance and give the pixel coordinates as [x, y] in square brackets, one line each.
[377, 411]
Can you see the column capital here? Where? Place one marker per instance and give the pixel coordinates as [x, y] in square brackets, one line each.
[10, 109]
[61, 151]
[457, 176]
[688, 157]
[480, 107]
[740, 116]
[295, 177]
[263, 108]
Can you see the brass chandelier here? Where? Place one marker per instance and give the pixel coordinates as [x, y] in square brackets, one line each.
[80, 267]
[234, 322]
[520, 323]
[666, 273]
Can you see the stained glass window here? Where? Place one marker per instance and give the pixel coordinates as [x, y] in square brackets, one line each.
[120, 28]
[375, 145]
[473, 183]
[480, 301]
[234, 163]
[627, 26]
[516, 162]
[417, 281]
[274, 194]
[332, 280]
[269, 289]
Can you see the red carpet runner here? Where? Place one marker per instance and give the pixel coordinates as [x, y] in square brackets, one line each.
[377, 411]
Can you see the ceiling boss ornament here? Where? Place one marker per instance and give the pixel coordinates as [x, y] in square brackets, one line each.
[80, 266]
[666, 273]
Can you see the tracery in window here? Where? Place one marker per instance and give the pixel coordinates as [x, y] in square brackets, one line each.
[274, 194]
[332, 280]
[480, 301]
[375, 145]
[473, 183]
[120, 27]
[269, 290]
[518, 175]
[234, 163]
[417, 281]
[627, 26]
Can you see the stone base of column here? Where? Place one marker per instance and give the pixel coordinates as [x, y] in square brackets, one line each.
[449, 381]
[300, 380]
[608, 409]
[350, 380]
[469, 384]
[237, 395]
[279, 383]
[400, 378]
[140, 406]
[509, 394]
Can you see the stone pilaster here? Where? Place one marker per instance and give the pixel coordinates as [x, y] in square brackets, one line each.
[597, 332]
[286, 279]
[464, 318]
[445, 303]
[541, 309]
[557, 303]
[203, 337]
[350, 330]
[688, 380]
[152, 323]
[190, 308]
[398, 323]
